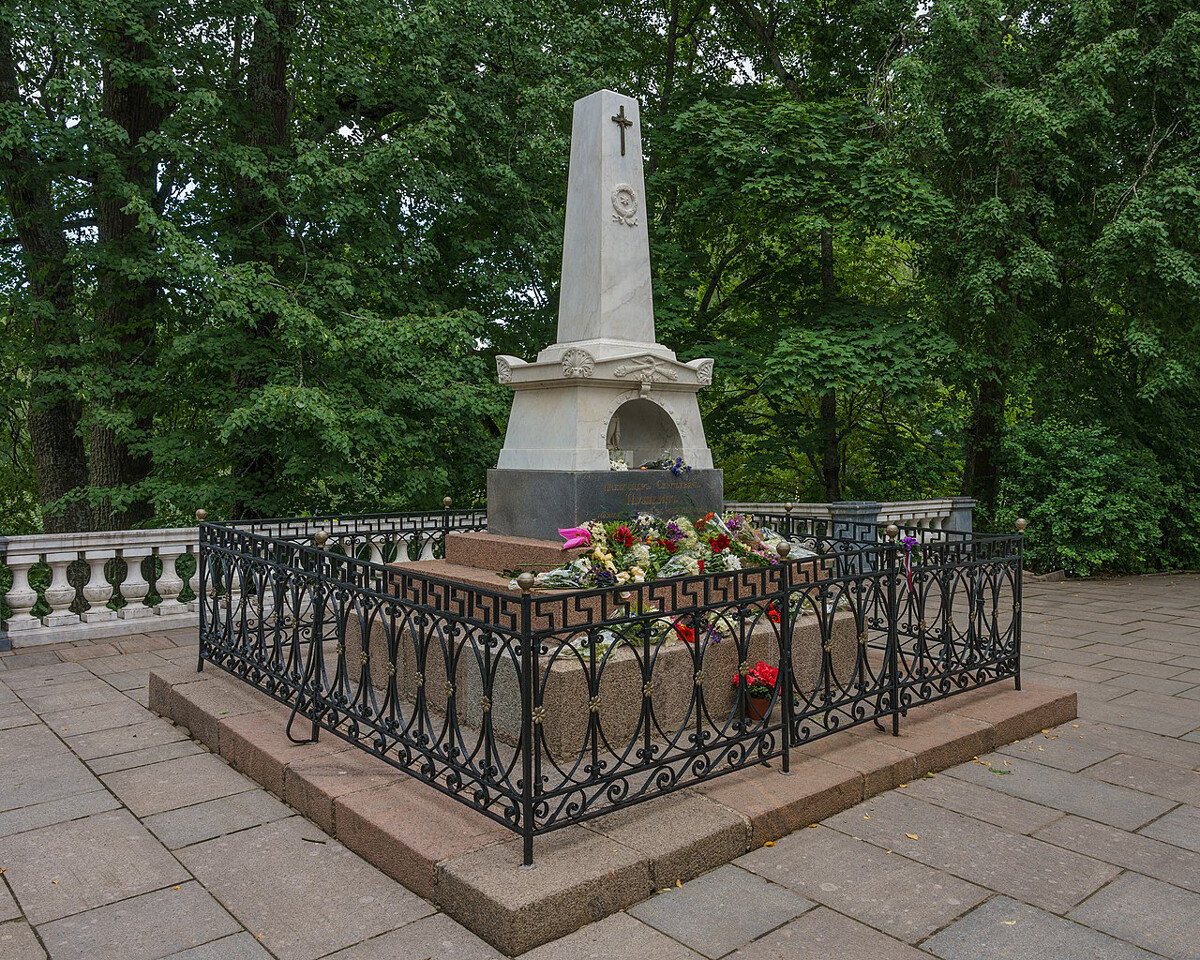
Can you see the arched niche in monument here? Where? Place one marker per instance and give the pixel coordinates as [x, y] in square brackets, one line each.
[643, 431]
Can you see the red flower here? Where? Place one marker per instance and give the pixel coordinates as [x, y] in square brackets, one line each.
[719, 543]
[686, 634]
[623, 537]
[760, 674]
[772, 614]
[669, 545]
[701, 564]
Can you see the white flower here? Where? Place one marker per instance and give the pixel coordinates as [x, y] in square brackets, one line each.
[641, 554]
[732, 562]
[623, 577]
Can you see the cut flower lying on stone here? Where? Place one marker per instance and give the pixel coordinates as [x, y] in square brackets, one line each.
[647, 547]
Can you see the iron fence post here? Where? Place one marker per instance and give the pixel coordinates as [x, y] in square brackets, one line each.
[783, 680]
[893, 637]
[447, 502]
[5, 642]
[202, 599]
[525, 581]
[1018, 589]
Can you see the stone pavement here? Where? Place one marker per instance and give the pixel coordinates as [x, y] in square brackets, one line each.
[121, 839]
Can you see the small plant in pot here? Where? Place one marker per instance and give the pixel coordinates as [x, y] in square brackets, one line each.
[759, 688]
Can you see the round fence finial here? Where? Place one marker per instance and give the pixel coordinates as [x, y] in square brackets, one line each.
[1021, 523]
[321, 537]
[789, 507]
[446, 501]
[200, 515]
[526, 581]
[784, 549]
[892, 531]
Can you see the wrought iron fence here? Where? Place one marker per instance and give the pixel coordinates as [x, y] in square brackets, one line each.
[543, 709]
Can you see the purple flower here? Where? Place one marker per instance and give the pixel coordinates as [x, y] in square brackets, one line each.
[673, 531]
[909, 542]
[734, 523]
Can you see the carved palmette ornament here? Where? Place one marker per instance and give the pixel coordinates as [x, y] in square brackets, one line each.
[578, 363]
[503, 370]
[625, 205]
[704, 373]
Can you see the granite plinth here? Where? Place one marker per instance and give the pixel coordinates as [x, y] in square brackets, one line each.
[536, 503]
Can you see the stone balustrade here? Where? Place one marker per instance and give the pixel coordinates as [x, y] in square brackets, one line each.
[947, 513]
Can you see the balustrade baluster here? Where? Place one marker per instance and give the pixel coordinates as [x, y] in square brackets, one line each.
[170, 584]
[135, 586]
[22, 596]
[59, 592]
[98, 590]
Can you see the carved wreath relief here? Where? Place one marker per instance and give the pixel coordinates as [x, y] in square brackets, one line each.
[577, 363]
[625, 205]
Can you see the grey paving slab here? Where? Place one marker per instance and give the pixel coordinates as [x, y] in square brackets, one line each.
[46, 673]
[1150, 776]
[8, 906]
[17, 942]
[132, 680]
[982, 803]
[822, 934]
[67, 868]
[303, 899]
[1131, 681]
[104, 716]
[1065, 747]
[213, 818]
[617, 936]
[903, 898]
[170, 784]
[124, 663]
[88, 692]
[143, 757]
[1037, 872]
[1145, 855]
[1093, 799]
[24, 744]
[13, 715]
[60, 810]
[1005, 929]
[1180, 827]
[1139, 743]
[1124, 713]
[1149, 913]
[146, 927]
[104, 743]
[49, 778]
[241, 946]
[698, 914]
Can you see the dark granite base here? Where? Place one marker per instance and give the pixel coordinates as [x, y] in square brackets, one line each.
[536, 503]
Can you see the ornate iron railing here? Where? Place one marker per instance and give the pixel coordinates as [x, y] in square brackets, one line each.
[540, 710]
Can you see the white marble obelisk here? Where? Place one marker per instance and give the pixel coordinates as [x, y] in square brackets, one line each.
[606, 384]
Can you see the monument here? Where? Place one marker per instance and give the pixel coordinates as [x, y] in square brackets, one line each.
[606, 391]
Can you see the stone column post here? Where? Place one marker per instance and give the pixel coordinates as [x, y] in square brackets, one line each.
[962, 513]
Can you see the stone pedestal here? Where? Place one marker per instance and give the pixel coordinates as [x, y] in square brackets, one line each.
[536, 503]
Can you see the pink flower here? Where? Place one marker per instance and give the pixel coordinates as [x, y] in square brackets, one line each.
[575, 537]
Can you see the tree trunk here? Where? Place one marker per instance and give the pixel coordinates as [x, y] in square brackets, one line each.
[126, 307]
[981, 473]
[259, 222]
[54, 412]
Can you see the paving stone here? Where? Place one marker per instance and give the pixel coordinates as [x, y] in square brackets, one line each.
[170, 784]
[1138, 743]
[1037, 872]
[699, 915]
[64, 869]
[213, 818]
[21, 745]
[17, 942]
[980, 803]
[129, 680]
[578, 877]
[241, 946]
[1145, 668]
[27, 659]
[1075, 671]
[43, 674]
[49, 778]
[407, 828]
[105, 716]
[140, 928]
[904, 899]
[140, 758]
[1107, 803]
[57, 811]
[141, 662]
[1150, 776]
[302, 893]
[87, 651]
[104, 743]
[776, 805]
[1013, 714]
[682, 835]
[440, 938]
[1004, 929]
[1065, 747]
[1180, 827]
[822, 934]
[1147, 912]
[8, 906]
[13, 715]
[71, 696]
[1131, 681]
[141, 643]
[617, 936]
[1130, 850]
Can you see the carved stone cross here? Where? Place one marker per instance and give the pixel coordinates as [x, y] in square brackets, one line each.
[624, 122]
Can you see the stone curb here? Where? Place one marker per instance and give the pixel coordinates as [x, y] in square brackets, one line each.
[469, 866]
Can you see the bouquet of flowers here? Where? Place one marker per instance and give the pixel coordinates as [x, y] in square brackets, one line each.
[650, 548]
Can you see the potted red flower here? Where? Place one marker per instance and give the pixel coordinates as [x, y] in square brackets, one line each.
[760, 686]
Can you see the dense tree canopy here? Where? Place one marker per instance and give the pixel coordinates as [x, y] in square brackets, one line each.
[258, 255]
